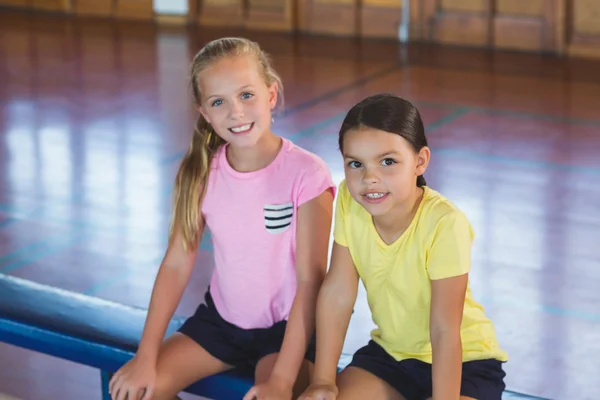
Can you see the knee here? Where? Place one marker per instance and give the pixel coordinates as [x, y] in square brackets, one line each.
[163, 389]
[160, 394]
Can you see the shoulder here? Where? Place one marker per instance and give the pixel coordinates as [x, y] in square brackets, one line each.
[441, 216]
[307, 173]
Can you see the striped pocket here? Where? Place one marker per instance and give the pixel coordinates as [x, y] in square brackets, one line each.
[278, 217]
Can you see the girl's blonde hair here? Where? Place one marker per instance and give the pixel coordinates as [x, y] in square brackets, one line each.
[192, 177]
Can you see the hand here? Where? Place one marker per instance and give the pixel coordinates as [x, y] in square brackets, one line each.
[135, 378]
[273, 389]
[320, 391]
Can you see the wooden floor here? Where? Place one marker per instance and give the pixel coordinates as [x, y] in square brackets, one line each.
[94, 117]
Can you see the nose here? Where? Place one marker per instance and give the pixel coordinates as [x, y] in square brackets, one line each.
[237, 110]
[370, 176]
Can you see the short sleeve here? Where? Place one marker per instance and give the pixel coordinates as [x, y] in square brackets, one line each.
[316, 181]
[339, 227]
[450, 251]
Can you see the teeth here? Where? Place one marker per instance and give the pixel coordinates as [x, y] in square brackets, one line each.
[241, 128]
[375, 195]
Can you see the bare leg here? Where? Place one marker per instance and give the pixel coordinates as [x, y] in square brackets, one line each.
[357, 384]
[266, 364]
[181, 362]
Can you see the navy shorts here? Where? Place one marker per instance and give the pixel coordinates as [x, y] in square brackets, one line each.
[481, 379]
[240, 348]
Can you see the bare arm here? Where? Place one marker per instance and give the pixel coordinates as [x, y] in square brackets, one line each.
[334, 309]
[312, 238]
[139, 374]
[171, 280]
[447, 304]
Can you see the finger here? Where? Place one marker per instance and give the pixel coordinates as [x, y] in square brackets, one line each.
[113, 382]
[251, 395]
[114, 395]
[148, 393]
[139, 393]
[116, 387]
[122, 393]
[131, 394]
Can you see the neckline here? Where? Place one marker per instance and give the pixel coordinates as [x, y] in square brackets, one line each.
[251, 174]
[409, 228]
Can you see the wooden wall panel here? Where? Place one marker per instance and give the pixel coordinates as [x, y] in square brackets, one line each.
[461, 22]
[134, 9]
[417, 21]
[532, 25]
[277, 15]
[16, 3]
[586, 17]
[335, 17]
[229, 13]
[536, 25]
[380, 18]
[533, 8]
[52, 5]
[518, 33]
[102, 8]
[529, 25]
[469, 6]
[193, 10]
[584, 28]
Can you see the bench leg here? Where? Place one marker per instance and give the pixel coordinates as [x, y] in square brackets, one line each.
[105, 378]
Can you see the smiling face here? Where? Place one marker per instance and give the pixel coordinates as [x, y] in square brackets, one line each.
[381, 169]
[236, 100]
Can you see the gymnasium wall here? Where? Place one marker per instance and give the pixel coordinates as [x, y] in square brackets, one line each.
[569, 27]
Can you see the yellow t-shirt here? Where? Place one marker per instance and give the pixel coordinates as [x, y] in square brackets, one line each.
[397, 277]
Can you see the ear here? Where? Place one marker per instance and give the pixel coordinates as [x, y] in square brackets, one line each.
[202, 111]
[273, 92]
[423, 158]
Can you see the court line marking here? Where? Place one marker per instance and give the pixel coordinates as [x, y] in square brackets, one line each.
[336, 92]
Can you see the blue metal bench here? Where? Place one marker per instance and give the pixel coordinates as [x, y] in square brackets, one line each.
[90, 331]
[97, 333]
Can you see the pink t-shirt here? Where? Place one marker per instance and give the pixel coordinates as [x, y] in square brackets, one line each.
[252, 217]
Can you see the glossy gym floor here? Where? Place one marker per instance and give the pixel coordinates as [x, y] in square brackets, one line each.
[95, 115]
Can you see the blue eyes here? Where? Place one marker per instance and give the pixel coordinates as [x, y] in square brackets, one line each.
[245, 96]
[386, 162]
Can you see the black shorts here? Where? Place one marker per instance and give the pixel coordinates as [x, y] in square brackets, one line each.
[481, 379]
[240, 348]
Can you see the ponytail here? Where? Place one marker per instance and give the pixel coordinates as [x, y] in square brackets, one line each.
[191, 182]
[421, 181]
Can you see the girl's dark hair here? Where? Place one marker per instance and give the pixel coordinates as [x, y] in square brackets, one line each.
[389, 113]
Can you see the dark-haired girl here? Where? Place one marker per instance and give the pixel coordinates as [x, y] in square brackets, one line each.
[412, 249]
